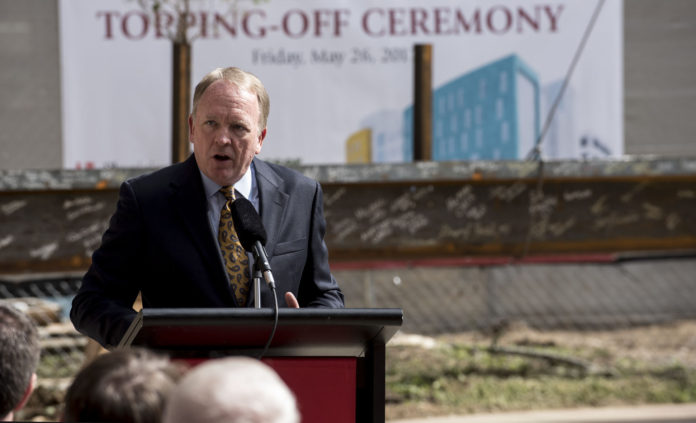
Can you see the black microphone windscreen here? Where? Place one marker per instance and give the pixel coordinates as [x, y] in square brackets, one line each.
[247, 223]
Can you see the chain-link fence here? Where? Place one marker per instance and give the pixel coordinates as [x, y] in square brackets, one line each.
[569, 296]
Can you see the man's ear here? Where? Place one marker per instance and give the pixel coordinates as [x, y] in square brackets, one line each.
[27, 393]
[262, 136]
[190, 124]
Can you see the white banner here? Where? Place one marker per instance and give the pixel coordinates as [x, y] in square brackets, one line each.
[340, 77]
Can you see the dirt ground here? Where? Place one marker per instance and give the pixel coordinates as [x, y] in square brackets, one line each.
[659, 345]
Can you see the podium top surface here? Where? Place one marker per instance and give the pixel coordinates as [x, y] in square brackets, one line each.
[300, 332]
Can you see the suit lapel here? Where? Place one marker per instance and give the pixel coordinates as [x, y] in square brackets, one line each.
[272, 201]
[187, 198]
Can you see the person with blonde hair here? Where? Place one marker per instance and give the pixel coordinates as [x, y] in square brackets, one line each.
[173, 237]
[231, 390]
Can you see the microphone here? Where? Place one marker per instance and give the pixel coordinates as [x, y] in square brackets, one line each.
[252, 234]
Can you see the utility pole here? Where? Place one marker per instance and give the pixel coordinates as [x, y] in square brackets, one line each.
[423, 103]
[181, 85]
[181, 98]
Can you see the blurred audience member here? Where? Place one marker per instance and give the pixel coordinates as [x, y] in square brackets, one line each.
[19, 357]
[125, 386]
[231, 390]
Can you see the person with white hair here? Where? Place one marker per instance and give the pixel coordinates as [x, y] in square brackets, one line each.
[231, 390]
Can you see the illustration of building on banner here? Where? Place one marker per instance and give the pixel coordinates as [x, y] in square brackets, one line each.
[490, 113]
[558, 140]
[379, 141]
[358, 147]
[564, 139]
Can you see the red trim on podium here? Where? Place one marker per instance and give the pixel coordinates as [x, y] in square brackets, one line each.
[324, 387]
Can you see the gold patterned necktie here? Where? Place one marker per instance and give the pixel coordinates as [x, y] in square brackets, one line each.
[234, 256]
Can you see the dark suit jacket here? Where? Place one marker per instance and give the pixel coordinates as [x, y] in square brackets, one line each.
[159, 242]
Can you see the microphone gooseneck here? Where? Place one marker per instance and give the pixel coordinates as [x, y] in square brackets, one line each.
[252, 234]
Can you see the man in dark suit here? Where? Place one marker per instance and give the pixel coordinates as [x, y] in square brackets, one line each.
[165, 238]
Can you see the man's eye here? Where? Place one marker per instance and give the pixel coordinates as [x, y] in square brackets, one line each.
[210, 123]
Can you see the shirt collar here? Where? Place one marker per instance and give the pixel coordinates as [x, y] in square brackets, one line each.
[243, 186]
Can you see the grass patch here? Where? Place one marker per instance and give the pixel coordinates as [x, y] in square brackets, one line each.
[461, 377]
[60, 365]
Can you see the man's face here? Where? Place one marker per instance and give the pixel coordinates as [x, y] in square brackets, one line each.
[225, 132]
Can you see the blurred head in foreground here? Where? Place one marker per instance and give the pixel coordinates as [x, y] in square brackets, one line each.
[232, 390]
[126, 386]
[19, 357]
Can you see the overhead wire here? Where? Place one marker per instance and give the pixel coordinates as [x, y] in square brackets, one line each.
[535, 153]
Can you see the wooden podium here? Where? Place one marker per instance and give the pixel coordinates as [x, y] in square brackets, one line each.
[332, 359]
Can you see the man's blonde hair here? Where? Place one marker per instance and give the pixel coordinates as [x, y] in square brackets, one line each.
[241, 79]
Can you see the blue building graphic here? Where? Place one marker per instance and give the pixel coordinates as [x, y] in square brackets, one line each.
[386, 136]
[491, 113]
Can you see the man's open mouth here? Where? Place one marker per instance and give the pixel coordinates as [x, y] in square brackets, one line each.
[221, 157]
